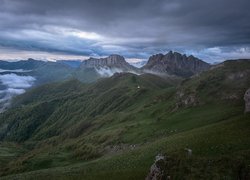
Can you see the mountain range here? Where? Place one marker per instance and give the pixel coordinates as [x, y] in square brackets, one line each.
[90, 70]
[106, 119]
[159, 64]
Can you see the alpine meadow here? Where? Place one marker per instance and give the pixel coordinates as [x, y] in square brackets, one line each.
[124, 90]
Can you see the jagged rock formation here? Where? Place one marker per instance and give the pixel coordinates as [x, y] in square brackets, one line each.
[174, 63]
[186, 99]
[112, 61]
[247, 100]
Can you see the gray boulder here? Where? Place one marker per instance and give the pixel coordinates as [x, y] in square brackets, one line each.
[157, 170]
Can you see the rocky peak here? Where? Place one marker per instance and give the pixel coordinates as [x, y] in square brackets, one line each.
[154, 59]
[174, 63]
[170, 53]
[114, 58]
[112, 61]
[31, 59]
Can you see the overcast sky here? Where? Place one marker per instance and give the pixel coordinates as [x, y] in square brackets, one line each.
[212, 30]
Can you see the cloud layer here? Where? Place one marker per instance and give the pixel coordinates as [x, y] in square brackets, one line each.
[12, 85]
[135, 29]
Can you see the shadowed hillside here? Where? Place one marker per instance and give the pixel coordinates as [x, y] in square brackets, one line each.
[115, 127]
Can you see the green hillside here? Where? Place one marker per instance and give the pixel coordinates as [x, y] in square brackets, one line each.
[114, 128]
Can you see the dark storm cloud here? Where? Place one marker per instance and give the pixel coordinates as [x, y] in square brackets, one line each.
[132, 28]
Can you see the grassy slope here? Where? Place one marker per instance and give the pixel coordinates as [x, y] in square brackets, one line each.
[119, 115]
[214, 154]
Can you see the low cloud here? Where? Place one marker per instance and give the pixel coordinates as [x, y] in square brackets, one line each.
[138, 64]
[107, 72]
[13, 85]
[15, 71]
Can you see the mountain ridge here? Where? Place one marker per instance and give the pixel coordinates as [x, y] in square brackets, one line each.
[174, 63]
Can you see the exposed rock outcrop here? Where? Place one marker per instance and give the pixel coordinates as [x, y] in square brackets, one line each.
[157, 170]
[174, 63]
[247, 101]
[186, 100]
[112, 61]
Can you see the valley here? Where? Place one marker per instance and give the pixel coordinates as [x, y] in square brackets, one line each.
[114, 126]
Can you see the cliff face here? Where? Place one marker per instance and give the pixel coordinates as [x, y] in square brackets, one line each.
[175, 64]
[113, 61]
[169, 64]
